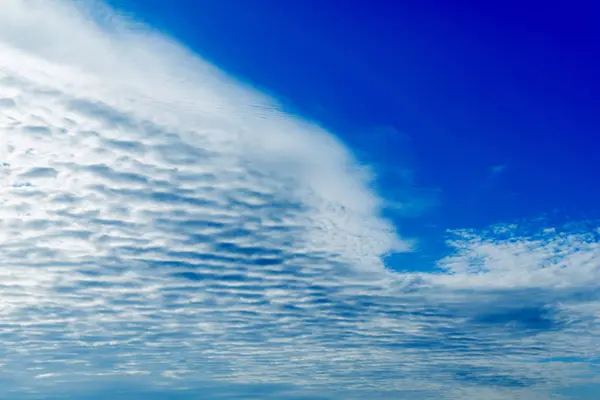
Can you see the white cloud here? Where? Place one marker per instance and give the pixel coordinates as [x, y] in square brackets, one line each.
[140, 184]
[98, 72]
[501, 258]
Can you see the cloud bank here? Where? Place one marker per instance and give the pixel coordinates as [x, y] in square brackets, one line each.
[163, 225]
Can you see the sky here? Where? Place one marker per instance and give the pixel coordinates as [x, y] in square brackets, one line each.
[299, 200]
[479, 113]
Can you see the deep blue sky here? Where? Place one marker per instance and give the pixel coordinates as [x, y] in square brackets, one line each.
[442, 89]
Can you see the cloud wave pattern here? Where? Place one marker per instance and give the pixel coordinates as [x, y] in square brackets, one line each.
[162, 222]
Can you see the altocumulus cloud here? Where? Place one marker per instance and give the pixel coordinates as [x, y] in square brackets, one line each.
[165, 226]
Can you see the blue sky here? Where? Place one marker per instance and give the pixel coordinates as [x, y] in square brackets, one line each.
[299, 200]
[482, 113]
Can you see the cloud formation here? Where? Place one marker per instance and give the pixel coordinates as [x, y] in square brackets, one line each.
[164, 225]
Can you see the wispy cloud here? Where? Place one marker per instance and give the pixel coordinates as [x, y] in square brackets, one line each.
[497, 169]
[162, 223]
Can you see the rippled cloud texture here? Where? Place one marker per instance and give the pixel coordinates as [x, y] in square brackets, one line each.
[166, 231]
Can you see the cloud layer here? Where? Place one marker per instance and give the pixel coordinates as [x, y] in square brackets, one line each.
[165, 226]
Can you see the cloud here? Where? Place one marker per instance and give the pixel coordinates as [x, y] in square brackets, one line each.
[503, 258]
[497, 170]
[150, 202]
[163, 223]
